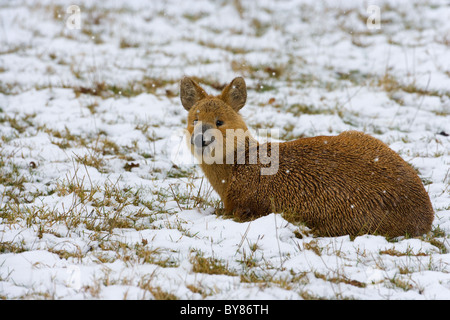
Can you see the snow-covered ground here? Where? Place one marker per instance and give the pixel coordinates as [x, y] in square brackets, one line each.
[96, 204]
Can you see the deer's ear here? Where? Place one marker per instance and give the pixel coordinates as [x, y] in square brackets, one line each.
[190, 93]
[235, 94]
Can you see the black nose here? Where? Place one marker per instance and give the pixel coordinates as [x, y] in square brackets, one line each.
[207, 142]
[199, 139]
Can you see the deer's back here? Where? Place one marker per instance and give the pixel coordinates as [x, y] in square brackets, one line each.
[346, 184]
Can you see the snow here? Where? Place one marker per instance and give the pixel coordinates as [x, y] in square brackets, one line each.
[130, 226]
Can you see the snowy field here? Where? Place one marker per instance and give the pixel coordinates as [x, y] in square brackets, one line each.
[94, 202]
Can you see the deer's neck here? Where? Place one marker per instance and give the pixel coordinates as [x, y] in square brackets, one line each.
[219, 176]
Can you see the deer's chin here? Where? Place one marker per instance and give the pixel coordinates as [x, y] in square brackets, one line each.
[199, 152]
[209, 154]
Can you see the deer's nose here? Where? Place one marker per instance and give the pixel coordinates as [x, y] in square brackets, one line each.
[199, 139]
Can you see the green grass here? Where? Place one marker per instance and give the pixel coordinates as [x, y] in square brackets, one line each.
[209, 265]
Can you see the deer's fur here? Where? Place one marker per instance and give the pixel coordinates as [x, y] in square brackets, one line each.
[346, 184]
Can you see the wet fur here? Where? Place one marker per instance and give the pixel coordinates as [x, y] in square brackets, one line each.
[346, 184]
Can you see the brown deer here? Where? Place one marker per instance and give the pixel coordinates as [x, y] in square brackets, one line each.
[337, 185]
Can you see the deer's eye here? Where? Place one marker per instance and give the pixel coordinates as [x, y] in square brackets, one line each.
[219, 123]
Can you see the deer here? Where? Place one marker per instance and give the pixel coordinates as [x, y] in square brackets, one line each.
[348, 184]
